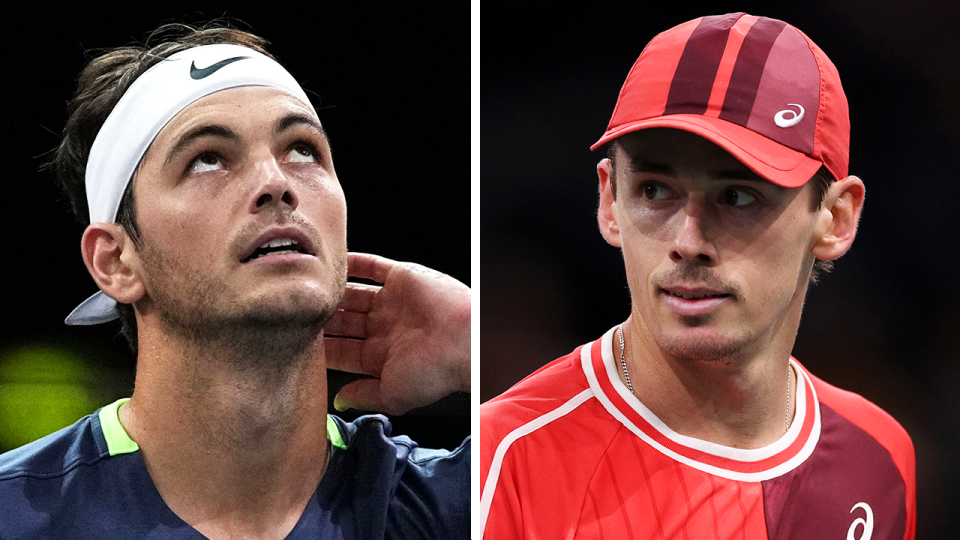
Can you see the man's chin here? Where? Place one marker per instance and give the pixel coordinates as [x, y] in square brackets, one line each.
[702, 345]
[282, 319]
[291, 311]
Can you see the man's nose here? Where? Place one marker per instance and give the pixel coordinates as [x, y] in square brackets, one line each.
[691, 243]
[273, 187]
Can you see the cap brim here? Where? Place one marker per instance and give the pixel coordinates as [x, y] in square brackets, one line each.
[771, 160]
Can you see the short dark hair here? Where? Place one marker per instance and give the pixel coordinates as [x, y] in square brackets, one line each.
[101, 84]
[819, 184]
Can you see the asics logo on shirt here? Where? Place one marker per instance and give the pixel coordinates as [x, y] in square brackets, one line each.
[781, 117]
[867, 523]
[200, 73]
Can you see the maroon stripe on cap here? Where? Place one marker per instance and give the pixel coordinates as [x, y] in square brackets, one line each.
[742, 90]
[693, 80]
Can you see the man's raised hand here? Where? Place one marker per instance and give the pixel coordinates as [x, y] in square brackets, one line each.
[412, 334]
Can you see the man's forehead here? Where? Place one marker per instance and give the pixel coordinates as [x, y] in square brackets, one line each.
[155, 100]
[250, 106]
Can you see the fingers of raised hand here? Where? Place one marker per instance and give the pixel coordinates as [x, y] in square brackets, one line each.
[359, 297]
[371, 395]
[344, 354]
[363, 394]
[347, 324]
[369, 266]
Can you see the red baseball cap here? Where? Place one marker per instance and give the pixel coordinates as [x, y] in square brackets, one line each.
[757, 87]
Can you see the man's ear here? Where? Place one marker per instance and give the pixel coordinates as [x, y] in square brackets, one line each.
[112, 261]
[839, 215]
[607, 212]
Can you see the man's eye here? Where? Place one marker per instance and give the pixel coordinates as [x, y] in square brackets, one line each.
[206, 163]
[738, 197]
[655, 192]
[301, 153]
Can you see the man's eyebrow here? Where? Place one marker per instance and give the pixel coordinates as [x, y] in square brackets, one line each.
[206, 130]
[746, 175]
[298, 119]
[738, 174]
[639, 166]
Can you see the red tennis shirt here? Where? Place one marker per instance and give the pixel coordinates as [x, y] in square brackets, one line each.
[570, 453]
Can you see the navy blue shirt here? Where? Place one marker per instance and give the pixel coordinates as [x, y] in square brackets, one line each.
[89, 481]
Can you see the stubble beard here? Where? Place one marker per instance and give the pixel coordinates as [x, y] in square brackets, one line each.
[717, 349]
[686, 344]
[265, 337]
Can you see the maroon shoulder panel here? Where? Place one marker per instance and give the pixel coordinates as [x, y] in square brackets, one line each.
[849, 482]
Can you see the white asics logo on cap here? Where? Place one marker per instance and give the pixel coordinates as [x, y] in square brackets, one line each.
[784, 122]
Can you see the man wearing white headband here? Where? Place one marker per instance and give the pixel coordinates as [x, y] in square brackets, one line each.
[217, 235]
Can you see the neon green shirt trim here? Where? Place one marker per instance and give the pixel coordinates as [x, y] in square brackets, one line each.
[118, 442]
[333, 433]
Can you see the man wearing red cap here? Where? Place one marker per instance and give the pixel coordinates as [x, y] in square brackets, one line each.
[726, 188]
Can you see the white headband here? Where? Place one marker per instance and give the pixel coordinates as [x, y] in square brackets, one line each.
[155, 98]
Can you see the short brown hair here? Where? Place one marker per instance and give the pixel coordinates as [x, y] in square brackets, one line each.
[101, 84]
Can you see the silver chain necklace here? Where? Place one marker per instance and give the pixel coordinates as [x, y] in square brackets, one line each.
[786, 416]
[626, 376]
[623, 363]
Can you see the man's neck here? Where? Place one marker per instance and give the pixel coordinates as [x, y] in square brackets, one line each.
[233, 436]
[741, 403]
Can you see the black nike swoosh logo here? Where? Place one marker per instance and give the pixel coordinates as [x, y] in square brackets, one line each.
[198, 74]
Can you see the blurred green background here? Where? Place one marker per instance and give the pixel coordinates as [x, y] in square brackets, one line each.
[46, 387]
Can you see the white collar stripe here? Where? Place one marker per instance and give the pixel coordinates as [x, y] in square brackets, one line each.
[597, 361]
[659, 430]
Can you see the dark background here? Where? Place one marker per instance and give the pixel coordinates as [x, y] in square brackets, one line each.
[884, 324]
[391, 85]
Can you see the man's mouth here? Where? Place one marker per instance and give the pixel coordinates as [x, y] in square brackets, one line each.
[276, 247]
[286, 241]
[692, 296]
[687, 301]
